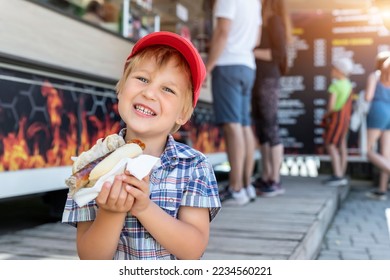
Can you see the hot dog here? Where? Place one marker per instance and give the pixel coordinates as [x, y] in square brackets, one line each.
[99, 160]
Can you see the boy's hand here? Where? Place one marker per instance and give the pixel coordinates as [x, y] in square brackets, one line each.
[114, 197]
[139, 189]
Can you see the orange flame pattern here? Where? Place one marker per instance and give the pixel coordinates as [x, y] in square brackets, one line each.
[40, 145]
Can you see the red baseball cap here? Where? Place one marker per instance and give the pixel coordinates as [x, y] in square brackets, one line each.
[185, 47]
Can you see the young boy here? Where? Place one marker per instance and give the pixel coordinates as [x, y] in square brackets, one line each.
[338, 114]
[165, 215]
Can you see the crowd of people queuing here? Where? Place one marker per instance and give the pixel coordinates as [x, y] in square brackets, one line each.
[247, 49]
[244, 104]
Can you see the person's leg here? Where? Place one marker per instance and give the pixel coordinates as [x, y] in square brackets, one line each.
[343, 156]
[271, 150]
[235, 143]
[277, 148]
[227, 99]
[378, 160]
[374, 157]
[265, 153]
[276, 159]
[228, 102]
[249, 148]
[248, 79]
[385, 151]
[335, 159]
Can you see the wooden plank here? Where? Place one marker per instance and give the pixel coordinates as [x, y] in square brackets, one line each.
[21, 252]
[283, 227]
[37, 242]
[263, 219]
[272, 235]
[237, 256]
[251, 246]
[47, 233]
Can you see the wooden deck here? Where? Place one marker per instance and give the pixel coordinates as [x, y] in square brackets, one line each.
[291, 226]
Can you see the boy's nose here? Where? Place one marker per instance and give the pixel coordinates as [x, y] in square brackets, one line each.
[150, 93]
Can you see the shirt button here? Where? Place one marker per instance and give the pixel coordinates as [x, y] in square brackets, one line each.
[171, 200]
[147, 235]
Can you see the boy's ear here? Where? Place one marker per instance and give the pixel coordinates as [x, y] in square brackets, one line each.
[180, 121]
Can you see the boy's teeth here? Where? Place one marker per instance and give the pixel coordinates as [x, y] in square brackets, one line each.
[144, 110]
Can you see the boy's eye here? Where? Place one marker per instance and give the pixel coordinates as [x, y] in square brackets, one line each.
[168, 90]
[142, 79]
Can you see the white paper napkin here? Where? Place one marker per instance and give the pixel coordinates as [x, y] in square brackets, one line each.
[139, 167]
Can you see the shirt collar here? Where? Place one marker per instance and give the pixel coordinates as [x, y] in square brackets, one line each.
[173, 151]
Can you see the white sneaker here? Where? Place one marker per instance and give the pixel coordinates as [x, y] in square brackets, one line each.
[251, 192]
[237, 198]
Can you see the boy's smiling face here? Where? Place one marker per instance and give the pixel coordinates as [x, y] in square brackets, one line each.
[152, 99]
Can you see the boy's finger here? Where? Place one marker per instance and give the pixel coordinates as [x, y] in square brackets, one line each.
[122, 196]
[141, 185]
[115, 189]
[104, 193]
[129, 200]
[133, 191]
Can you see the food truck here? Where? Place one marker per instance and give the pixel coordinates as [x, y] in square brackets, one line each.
[57, 82]
[58, 74]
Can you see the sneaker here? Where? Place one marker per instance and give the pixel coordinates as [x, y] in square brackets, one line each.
[237, 198]
[259, 185]
[272, 190]
[376, 195]
[251, 192]
[278, 188]
[335, 181]
[224, 194]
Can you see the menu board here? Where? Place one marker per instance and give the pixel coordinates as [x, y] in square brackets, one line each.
[321, 37]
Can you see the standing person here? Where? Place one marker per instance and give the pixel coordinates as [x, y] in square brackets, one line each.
[167, 214]
[93, 12]
[276, 34]
[232, 64]
[378, 122]
[338, 117]
[110, 16]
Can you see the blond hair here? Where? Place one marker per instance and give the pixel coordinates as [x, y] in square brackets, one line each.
[385, 72]
[162, 55]
[380, 59]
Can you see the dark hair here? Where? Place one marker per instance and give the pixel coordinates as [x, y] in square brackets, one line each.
[93, 7]
[279, 8]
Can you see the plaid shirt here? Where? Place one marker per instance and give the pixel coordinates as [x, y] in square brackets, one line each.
[184, 178]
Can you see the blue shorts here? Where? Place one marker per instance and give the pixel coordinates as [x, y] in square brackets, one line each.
[379, 115]
[232, 91]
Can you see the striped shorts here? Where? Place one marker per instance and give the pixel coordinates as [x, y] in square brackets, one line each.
[338, 124]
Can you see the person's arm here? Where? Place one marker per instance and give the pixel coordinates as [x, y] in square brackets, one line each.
[277, 41]
[185, 237]
[218, 42]
[263, 54]
[331, 102]
[258, 40]
[370, 87]
[99, 239]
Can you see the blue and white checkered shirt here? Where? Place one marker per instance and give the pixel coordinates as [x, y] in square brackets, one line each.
[184, 178]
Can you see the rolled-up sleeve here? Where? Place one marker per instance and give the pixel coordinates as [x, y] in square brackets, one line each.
[202, 189]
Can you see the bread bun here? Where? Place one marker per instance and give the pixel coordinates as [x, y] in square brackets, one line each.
[101, 148]
[131, 150]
